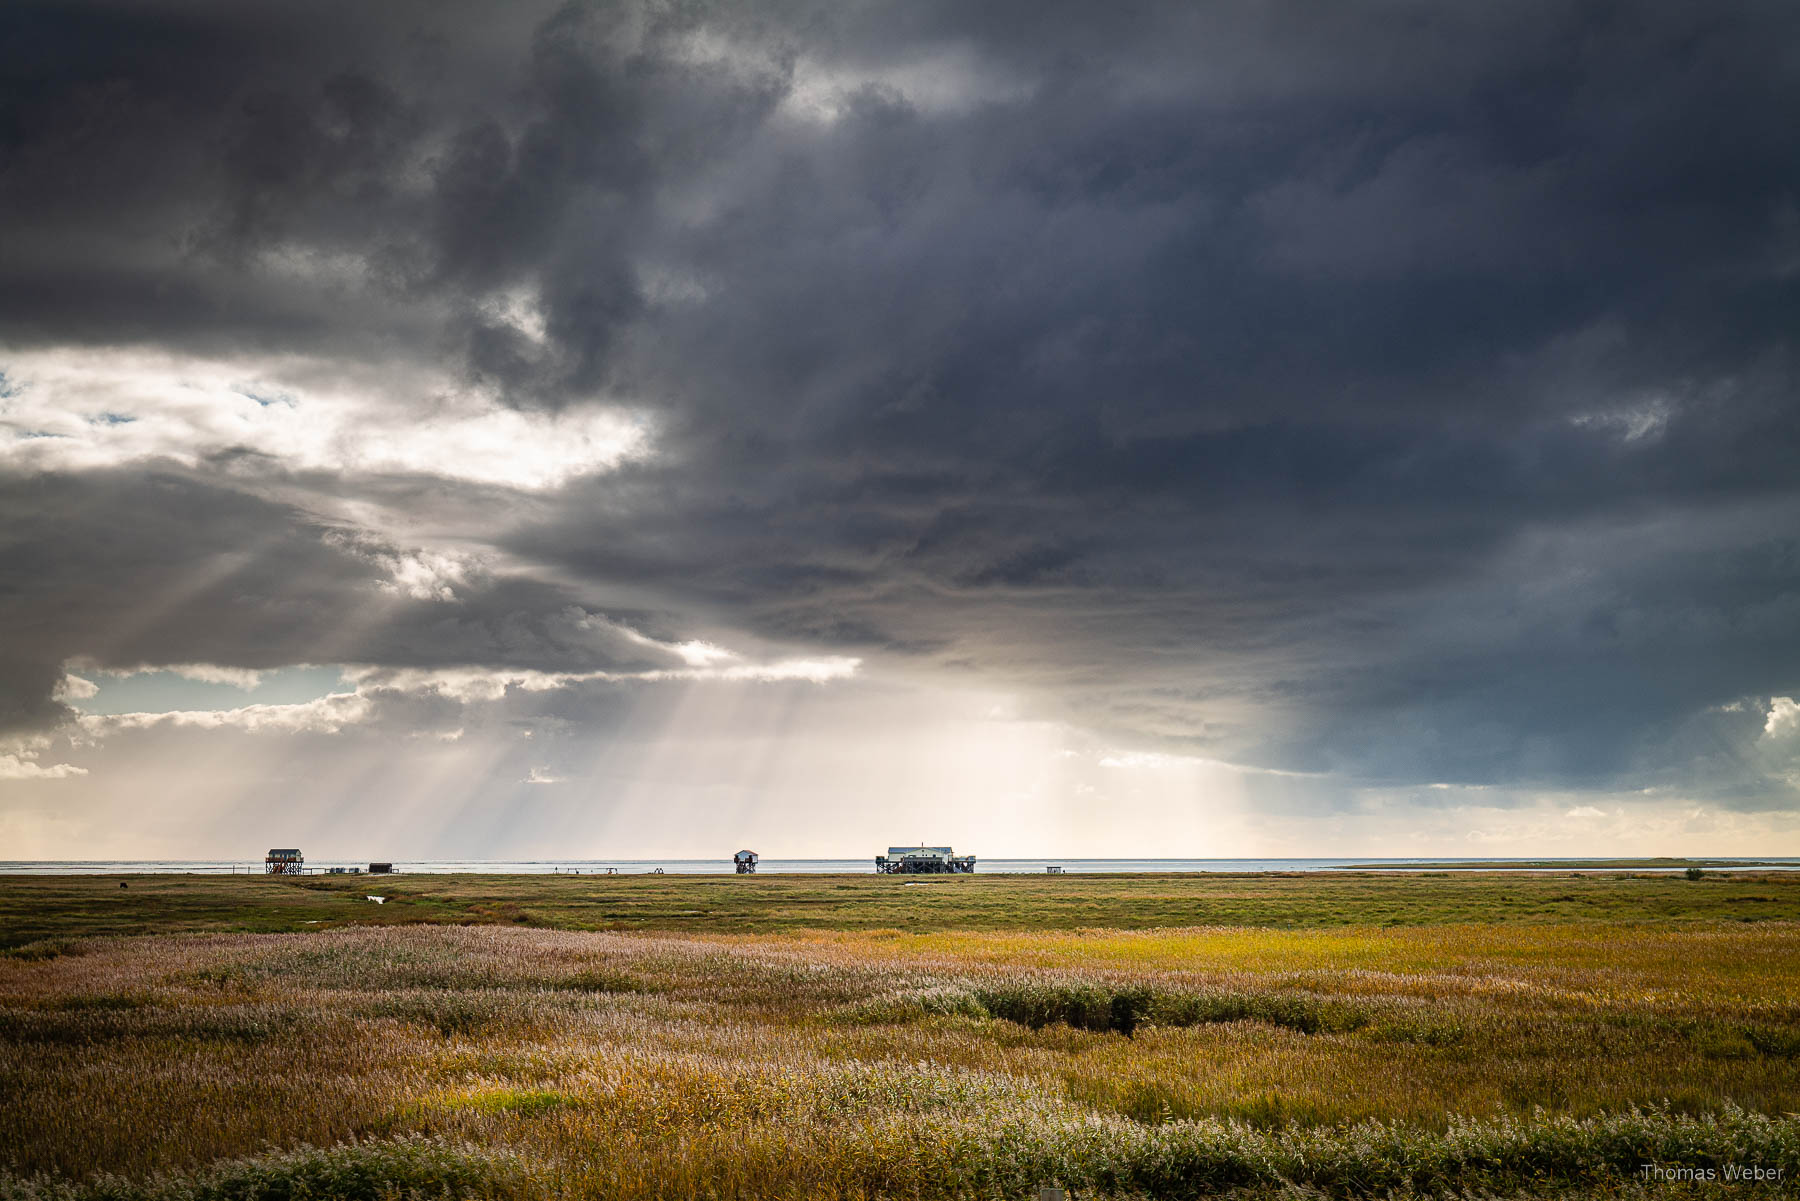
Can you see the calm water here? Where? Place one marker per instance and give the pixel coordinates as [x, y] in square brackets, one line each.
[720, 867]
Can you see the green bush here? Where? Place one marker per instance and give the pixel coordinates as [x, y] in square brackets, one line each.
[1123, 1010]
[1083, 1006]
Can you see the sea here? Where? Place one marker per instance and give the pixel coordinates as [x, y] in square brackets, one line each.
[724, 867]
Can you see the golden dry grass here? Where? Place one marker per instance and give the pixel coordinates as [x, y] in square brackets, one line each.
[913, 1064]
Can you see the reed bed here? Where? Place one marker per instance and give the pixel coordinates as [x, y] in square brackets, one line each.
[511, 1062]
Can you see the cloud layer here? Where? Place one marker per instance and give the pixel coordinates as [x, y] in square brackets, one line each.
[1396, 395]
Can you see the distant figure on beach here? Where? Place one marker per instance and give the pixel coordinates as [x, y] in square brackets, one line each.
[123, 884]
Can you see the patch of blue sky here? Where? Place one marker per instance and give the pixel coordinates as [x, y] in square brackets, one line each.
[265, 396]
[166, 692]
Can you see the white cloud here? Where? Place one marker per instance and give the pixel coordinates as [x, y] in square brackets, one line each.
[519, 309]
[694, 652]
[490, 684]
[813, 671]
[212, 673]
[946, 83]
[1586, 813]
[1630, 422]
[74, 688]
[428, 575]
[324, 715]
[464, 684]
[503, 446]
[1139, 759]
[100, 408]
[702, 654]
[1784, 718]
[539, 775]
[1780, 740]
[25, 767]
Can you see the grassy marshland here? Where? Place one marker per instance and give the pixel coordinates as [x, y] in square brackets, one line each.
[39, 907]
[1390, 1045]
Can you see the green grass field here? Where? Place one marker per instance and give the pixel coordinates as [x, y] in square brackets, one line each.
[1124, 1036]
[36, 907]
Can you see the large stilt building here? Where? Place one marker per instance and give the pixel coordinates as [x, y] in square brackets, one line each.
[923, 860]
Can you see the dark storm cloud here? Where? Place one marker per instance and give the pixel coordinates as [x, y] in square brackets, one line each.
[1404, 391]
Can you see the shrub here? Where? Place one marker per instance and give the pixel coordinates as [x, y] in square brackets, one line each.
[1083, 1006]
[1099, 1007]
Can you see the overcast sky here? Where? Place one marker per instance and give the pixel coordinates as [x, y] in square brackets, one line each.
[623, 430]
